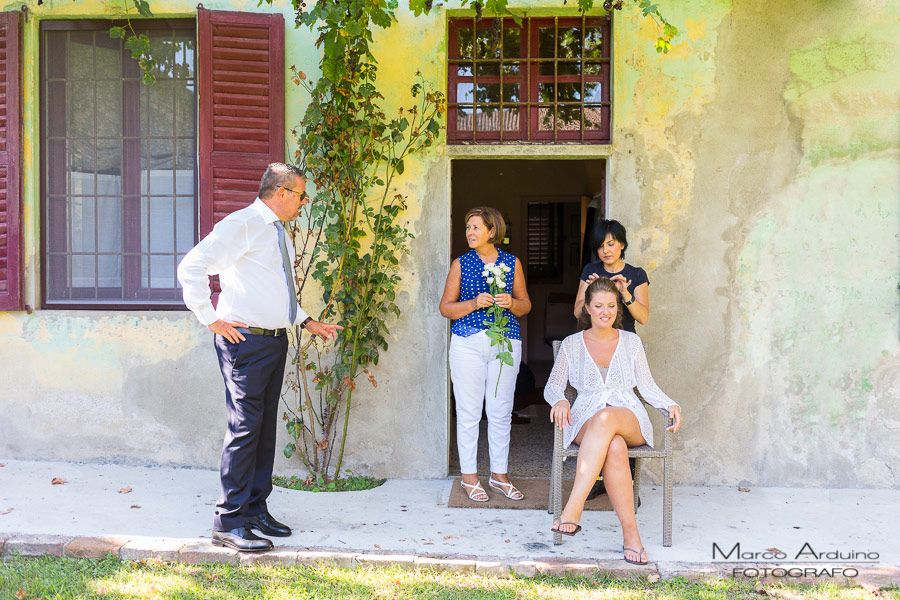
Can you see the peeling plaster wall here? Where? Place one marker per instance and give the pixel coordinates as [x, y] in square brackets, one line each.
[757, 169]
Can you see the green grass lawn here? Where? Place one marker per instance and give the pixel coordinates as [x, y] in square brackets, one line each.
[50, 577]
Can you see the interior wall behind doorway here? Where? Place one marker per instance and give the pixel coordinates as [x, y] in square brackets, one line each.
[509, 185]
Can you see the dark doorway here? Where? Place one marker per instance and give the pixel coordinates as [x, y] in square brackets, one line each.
[549, 207]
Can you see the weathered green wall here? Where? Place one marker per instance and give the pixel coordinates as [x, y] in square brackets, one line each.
[757, 166]
[757, 169]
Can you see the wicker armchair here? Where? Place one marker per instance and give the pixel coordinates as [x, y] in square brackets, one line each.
[638, 453]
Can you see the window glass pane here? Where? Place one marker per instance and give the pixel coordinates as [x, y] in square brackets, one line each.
[157, 167]
[485, 44]
[512, 42]
[568, 42]
[593, 42]
[568, 117]
[568, 67]
[84, 273]
[161, 108]
[511, 92]
[80, 115]
[593, 116]
[109, 220]
[568, 92]
[79, 53]
[464, 42]
[592, 69]
[109, 271]
[109, 162]
[592, 91]
[82, 158]
[162, 224]
[488, 69]
[464, 117]
[488, 118]
[511, 68]
[109, 108]
[83, 229]
[546, 48]
[184, 224]
[464, 69]
[546, 119]
[547, 92]
[488, 92]
[162, 49]
[465, 92]
[511, 119]
[162, 271]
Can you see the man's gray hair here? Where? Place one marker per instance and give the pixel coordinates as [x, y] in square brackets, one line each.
[277, 175]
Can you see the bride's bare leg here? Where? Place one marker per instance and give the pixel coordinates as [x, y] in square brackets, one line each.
[619, 488]
[593, 440]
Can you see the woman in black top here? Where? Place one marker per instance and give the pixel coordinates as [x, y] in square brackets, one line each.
[608, 245]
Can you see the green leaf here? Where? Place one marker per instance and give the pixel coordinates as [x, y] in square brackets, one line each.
[289, 450]
[506, 358]
[143, 8]
[353, 28]
[117, 32]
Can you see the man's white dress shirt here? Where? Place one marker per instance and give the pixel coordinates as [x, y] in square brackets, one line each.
[243, 251]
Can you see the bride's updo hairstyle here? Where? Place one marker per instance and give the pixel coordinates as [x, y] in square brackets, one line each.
[601, 284]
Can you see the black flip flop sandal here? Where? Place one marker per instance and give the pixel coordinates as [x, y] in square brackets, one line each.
[561, 523]
[638, 552]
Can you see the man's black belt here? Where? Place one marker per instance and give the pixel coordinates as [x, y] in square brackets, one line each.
[261, 331]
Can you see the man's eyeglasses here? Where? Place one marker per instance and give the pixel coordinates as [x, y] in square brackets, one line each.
[303, 195]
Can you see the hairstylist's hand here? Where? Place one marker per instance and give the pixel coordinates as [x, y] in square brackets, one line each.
[621, 283]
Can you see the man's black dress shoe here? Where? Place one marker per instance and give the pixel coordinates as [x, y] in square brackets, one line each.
[266, 523]
[241, 538]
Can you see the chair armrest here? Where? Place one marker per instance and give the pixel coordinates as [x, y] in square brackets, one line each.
[664, 412]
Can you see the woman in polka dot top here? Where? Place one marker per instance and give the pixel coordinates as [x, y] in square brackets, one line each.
[474, 366]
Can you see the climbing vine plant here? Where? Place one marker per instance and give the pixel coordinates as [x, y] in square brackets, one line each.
[354, 234]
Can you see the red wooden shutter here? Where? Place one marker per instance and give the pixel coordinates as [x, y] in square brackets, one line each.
[241, 116]
[11, 258]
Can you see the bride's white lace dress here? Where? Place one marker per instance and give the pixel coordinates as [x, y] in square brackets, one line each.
[627, 369]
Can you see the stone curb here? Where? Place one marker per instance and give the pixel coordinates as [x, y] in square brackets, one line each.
[201, 551]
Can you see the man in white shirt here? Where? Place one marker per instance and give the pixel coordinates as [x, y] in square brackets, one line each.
[254, 260]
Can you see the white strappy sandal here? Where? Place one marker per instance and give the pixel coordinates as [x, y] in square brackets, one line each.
[472, 490]
[512, 493]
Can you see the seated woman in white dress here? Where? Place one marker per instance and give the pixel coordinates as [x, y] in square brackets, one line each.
[604, 364]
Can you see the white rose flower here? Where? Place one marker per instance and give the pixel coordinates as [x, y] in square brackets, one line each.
[490, 280]
[484, 273]
[501, 285]
[505, 269]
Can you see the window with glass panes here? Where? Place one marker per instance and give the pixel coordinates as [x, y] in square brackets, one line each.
[546, 80]
[118, 168]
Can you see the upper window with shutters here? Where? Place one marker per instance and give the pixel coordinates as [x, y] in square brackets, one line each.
[544, 80]
[118, 168]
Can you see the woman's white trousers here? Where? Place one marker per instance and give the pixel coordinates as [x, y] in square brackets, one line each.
[474, 368]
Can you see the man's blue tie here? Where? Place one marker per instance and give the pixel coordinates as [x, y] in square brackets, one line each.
[288, 271]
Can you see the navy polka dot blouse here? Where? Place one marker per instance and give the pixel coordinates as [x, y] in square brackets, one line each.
[472, 283]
